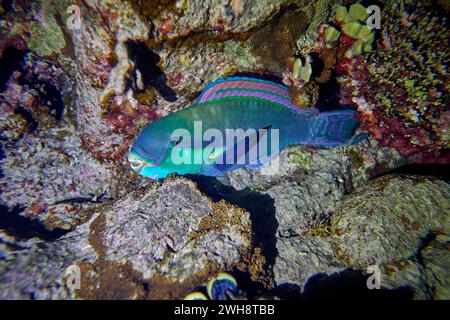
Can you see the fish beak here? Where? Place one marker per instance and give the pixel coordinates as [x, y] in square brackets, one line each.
[132, 157]
[135, 163]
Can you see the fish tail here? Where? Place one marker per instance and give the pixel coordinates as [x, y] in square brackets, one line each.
[332, 128]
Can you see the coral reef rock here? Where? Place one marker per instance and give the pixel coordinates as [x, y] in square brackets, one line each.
[397, 223]
[175, 230]
[401, 88]
[170, 239]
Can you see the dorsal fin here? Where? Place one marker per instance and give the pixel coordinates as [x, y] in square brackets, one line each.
[249, 88]
[241, 86]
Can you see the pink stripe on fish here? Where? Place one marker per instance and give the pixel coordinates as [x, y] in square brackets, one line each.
[266, 96]
[210, 92]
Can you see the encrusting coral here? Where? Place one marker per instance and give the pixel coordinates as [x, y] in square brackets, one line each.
[401, 88]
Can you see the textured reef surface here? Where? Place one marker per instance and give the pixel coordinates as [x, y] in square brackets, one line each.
[76, 90]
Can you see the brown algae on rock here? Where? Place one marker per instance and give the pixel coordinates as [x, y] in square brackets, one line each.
[275, 43]
[387, 219]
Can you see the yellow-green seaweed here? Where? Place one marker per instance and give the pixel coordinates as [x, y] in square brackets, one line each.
[352, 28]
[341, 13]
[332, 34]
[357, 12]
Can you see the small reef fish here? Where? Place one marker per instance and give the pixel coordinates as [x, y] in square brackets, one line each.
[235, 103]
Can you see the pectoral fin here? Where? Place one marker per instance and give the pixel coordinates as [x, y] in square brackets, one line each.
[212, 154]
[242, 150]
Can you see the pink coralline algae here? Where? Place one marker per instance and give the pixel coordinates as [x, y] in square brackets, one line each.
[44, 168]
[15, 42]
[17, 95]
[401, 88]
[29, 92]
[127, 122]
[46, 174]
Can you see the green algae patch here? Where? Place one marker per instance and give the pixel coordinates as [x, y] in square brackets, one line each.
[240, 54]
[302, 158]
[46, 36]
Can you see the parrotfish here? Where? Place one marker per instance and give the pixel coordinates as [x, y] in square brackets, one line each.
[202, 138]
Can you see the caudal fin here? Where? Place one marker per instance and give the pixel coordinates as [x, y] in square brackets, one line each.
[332, 128]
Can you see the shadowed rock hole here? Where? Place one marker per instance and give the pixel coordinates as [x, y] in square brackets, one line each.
[346, 284]
[23, 228]
[147, 63]
[7, 5]
[349, 284]
[329, 96]
[317, 65]
[49, 95]
[441, 171]
[10, 62]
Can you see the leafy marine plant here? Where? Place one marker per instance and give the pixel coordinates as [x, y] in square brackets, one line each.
[301, 70]
[351, 23]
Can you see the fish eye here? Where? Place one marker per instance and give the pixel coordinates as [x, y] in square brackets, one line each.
[176, 142]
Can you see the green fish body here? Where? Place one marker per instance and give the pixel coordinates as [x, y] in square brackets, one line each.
[259, 109]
